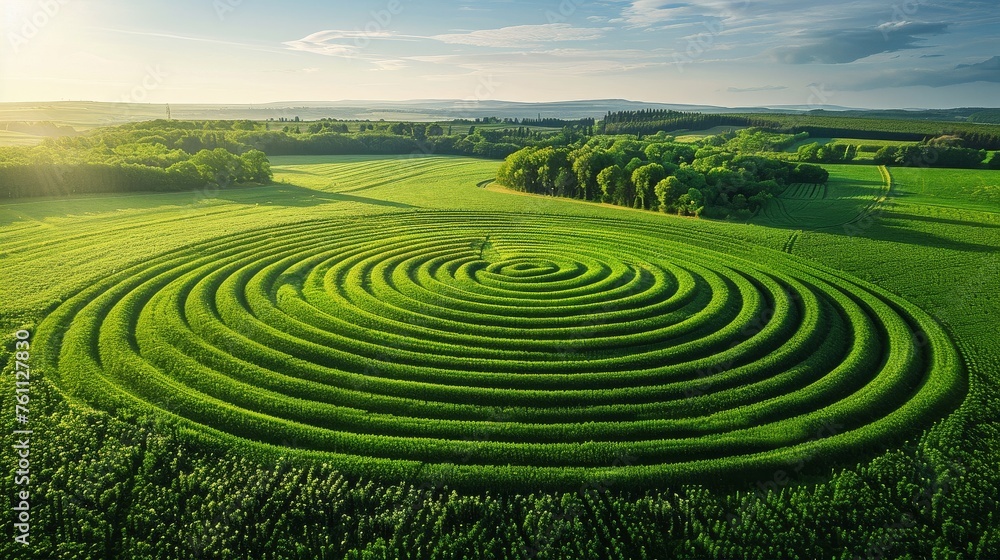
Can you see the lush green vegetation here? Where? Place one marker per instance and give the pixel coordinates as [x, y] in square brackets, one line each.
[840, 401]
[973, 135]
[399, 340]
[955, 188]
[329, 137]
[851, 195]
[190, 155]
[723, 178]
[137, 165]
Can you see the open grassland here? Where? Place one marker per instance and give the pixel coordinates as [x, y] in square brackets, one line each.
[10, 138]
[969, 189]
[695, 135]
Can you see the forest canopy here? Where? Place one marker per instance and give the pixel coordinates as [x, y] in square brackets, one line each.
[658, 173]
[148, 165]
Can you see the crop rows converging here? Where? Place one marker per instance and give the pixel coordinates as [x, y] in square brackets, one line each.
[506, 349]
[807, 191]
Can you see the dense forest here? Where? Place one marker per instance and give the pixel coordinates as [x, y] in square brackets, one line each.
[330, 137]
[727, 179]
[115, 163]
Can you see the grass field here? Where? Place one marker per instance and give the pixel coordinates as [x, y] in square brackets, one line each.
[389, 319]
[695, 135]
[854, 141]
[968, 189]
[362, 272]
[8, 138]
[852, 193]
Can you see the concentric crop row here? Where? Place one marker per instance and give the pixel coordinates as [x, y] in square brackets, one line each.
[517, 348]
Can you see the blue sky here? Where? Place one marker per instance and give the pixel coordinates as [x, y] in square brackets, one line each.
[859, 53]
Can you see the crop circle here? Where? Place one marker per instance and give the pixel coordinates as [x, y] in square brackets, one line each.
[500, 349]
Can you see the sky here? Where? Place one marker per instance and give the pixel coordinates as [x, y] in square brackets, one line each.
[733, 53]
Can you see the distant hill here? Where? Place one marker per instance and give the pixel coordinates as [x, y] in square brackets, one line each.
[82, 115]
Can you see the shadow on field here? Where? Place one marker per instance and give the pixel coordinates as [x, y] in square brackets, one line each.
[945, 221]
[285, 194]
[106, 206]
[898, 231]
[844, 182]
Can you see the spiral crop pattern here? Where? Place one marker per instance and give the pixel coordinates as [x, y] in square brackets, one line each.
[512, 348]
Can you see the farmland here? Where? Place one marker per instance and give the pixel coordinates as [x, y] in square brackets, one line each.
[392, 338]
[852, 193]
[356, 331]
[618, 280]
[949, 188]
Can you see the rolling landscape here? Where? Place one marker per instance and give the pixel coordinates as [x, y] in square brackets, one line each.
[495, 315]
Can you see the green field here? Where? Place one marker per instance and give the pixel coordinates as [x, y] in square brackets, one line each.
[968, 189]
[853, 141]
[8, 138]
[696, 135]
[852, 193]
[382, 343]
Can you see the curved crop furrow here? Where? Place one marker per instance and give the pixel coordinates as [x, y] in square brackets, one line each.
[527, 349]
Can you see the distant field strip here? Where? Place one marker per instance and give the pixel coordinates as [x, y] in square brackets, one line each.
[849, 196]
[505, 349]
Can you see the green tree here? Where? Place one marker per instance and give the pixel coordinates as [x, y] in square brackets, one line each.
[217, 166]
[667, 192]
[644, 178]
[809, 152]
[691, 203]
[256, 167]
[611, 180]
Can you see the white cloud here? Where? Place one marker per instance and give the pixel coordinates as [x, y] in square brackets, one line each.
[390, 64]
[753, 89]
[563, 62]
[522, 35]
[337, 42]
[987, 71]
[644, 13]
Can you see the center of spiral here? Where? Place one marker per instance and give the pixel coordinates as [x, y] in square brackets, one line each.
[524, 267]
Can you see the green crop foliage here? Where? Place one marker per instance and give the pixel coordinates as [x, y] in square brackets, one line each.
[394, 340]
[381, 357]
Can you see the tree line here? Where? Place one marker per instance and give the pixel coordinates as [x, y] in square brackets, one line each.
[657, 174]
[328, 137]
[167, 155]
[52, 170]
[936, 153]
[973, 135]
